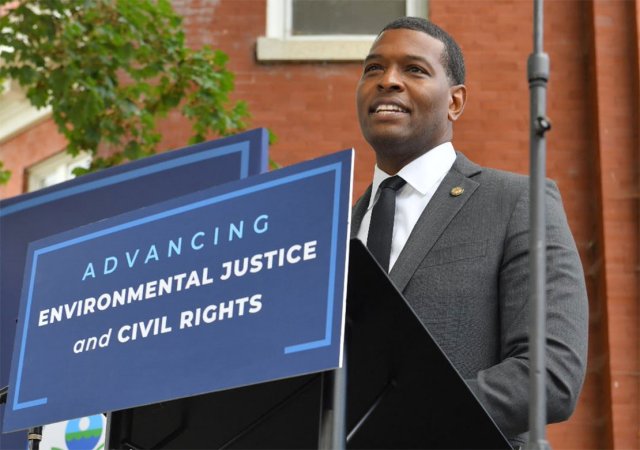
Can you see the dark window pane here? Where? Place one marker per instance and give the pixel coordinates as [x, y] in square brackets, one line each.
[311, 17]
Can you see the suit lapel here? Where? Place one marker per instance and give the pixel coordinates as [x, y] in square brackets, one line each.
[435, 218]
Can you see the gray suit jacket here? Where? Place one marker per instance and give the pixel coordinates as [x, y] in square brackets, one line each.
[465, 272]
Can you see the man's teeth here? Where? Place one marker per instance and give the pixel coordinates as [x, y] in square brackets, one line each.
[389, 108]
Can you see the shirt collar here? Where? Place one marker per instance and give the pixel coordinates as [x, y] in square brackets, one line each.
[422, 173]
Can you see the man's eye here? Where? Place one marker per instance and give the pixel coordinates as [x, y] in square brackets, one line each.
[416, 69]
[372, 67]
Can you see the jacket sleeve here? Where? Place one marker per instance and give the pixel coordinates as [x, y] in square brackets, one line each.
[504, 388]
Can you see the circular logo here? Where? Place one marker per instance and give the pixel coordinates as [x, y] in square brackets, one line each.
[83, 433]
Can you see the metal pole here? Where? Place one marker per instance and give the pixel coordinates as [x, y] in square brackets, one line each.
[333, 416]
[538, 75]
[34, 436]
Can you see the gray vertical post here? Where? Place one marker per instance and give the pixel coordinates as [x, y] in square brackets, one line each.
[34, 436]
[538, 75]
[333, 416]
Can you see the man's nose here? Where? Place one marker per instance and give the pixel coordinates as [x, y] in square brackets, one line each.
[390, 80]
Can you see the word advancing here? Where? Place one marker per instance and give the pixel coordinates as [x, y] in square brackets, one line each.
[143, 291]
[197, 241]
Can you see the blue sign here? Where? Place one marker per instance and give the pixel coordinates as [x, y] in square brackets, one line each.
[230, 286]
[104, 194]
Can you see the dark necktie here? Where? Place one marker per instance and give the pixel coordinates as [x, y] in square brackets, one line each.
[381, 226]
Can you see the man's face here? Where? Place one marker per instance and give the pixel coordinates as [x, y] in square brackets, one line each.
[404, 99]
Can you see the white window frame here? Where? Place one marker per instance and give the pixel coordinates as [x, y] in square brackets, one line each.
[55, 169]
[280, 45]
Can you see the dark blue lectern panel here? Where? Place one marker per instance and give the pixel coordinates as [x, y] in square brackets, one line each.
[101, 195]
[230, 286]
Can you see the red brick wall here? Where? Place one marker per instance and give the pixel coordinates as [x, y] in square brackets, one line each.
[592, 148]
[25, 150]
[309, 106]
[615, 85]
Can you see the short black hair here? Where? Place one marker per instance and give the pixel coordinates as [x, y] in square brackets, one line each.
[452, 58]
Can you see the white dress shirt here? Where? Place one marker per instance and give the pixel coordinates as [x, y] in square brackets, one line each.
[423, 176]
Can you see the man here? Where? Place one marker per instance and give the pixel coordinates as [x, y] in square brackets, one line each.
[459, 252]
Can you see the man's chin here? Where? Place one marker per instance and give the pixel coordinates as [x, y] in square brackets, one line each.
[387, 142]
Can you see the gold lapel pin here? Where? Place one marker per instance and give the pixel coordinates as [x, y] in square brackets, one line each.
[456, 191]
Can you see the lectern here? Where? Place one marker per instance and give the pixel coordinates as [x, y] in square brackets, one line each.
[402, 391]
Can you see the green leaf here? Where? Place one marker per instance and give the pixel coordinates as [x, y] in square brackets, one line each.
[5, 175]
[109, 69]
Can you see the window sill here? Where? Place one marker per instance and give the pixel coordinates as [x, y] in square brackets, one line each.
[313, 49]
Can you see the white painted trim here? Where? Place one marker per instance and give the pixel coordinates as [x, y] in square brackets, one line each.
[418, 8]
[288, 19]
[275, 19]
[325, 48]
[16, 112]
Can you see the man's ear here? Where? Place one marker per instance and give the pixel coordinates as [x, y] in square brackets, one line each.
[457, 100]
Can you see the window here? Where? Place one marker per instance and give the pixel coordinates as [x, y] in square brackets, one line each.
[318, 17]
[339, 30]
[55, 169]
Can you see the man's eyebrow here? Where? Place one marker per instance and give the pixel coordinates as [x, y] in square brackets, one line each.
[372, 56]
[420, 59]
[416, 58]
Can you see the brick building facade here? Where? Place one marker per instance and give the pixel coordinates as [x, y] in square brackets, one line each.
[593, 148]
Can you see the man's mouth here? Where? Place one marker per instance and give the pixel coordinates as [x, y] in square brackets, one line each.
[388, 108]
